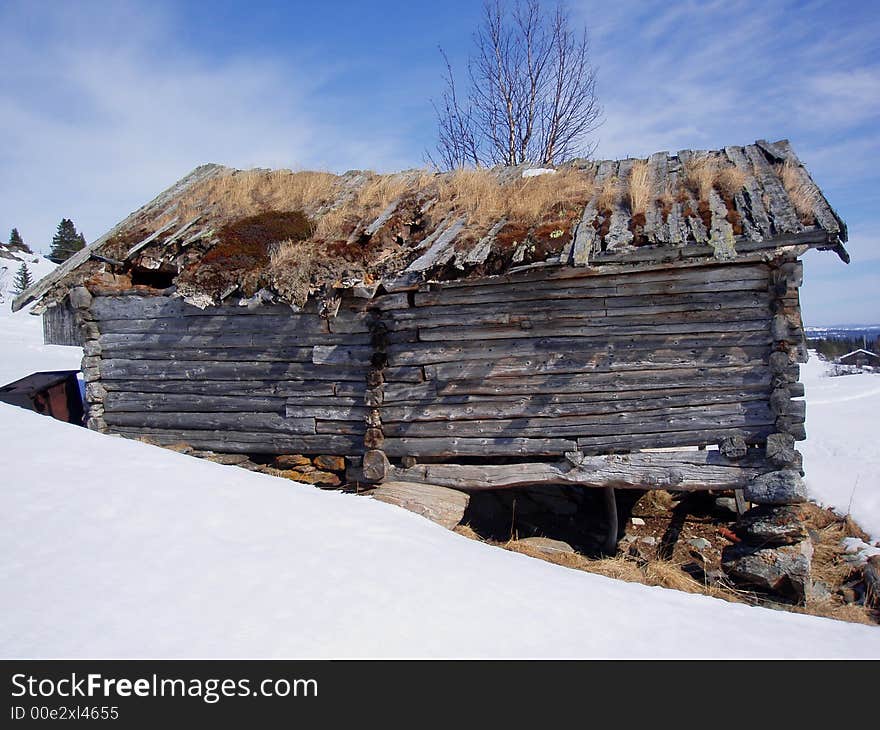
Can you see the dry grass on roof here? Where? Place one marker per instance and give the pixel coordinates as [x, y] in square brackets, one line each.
[704, 174]
[368, 202]
[246, 193]
[610, 194]
[478, 194]
[485, 199]
[803, 195]
[639, 188]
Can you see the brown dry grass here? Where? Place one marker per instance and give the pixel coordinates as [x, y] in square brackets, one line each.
[610, 194]
[661, 573]
[246, 193]
[639, 188]
[654, 502]
[477, 193]
[704, 174]
[802, 195]
[290, 267]
[485, 199]
[827, 529]
[368, 202]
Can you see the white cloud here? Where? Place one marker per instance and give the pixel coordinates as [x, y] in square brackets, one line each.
[100, 113]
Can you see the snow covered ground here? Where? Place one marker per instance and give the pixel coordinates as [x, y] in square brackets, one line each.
[120, 549]
[113, 548]
[842, 450]
[21, 334]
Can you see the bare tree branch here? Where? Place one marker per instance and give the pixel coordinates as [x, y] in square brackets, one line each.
[532, 92]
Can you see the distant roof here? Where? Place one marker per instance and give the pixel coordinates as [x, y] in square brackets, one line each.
[219, 232]
[860, 351]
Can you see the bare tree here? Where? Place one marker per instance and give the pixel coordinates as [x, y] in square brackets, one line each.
[531, 96]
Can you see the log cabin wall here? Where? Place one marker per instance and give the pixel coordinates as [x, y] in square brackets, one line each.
[540, 365]
[60, 326]
[228, 378]
[527, 367]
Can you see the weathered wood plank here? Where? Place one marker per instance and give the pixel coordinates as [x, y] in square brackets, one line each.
[152, 307]
[450, 447]
[440, 250]
[341, 355]
[559, 362]
[295, 408]
[601, 380]
[720, 415]
[536, 310]
[454, 363]
[122, 341]
[249, 442]
[214, 325]
[753, 210]
[247, 388]
[218, 354]
[822, 211]
[444, 506]
[633, 289]
[186, 402]
[251, 422]
[753, 433]
[149, 239]
[693, 280]
[425, 395]
[619, 236]
[676, 471]
[783, 215]
[536, 407]
[120, 369]
[741, 320]
[349, 428]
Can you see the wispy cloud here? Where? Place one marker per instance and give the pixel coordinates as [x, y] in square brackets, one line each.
[100, 111]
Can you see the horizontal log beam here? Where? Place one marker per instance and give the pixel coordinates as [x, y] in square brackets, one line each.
[670, 373]
[452, 447]
[557, 406]
[753, 434]
[123, 341]
[500, 357]
[701, 418]
[672, 471]
[561, 309]
[192, 369]
[238, 422]
[257, 388]
[250, 443]
[487, 294]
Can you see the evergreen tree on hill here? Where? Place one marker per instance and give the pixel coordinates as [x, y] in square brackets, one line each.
[66, 242]
[16, 242]
[23, 280]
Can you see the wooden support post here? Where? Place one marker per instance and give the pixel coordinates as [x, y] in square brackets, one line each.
[611, 506]
[740, 499]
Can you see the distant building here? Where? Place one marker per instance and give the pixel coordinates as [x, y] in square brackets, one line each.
[860, 358]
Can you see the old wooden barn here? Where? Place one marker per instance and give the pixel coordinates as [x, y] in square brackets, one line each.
[625, 324]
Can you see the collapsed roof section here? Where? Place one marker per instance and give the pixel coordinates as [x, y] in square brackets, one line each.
[267, 235]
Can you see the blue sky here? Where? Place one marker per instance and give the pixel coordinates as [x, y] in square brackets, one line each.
[102, 104]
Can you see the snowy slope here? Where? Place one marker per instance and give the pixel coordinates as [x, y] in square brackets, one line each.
[116, 548]
[842, 450]
[21, 334]
[38, 265]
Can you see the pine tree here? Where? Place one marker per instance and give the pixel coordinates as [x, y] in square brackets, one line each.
[65, 242]
[23, 280]
[16, 242]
